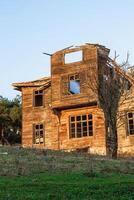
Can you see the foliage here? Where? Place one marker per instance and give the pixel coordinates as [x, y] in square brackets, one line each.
[10, 119]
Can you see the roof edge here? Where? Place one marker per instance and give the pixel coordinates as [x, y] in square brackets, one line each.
[43, 82]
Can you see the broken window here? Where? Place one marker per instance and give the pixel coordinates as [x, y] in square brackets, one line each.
[38, 134]
[73, 57]
[81, 126]
[130, 121]
[38, 98]
[74, 84]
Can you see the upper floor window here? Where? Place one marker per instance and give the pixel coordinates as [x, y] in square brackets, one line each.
[38, 134]
[73, 57]
[74, 84]
[127, 85]
[38, 98]
[81, 126]
[130, 120]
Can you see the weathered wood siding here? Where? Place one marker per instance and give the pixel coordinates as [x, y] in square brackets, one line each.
[96, 143]
[33, 115]
[56, 134]
[125, 141]
[61, 71]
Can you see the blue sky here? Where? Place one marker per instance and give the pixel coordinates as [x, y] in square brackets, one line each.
[30, 27]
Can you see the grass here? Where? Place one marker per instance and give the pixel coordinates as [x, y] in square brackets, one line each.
[67, 186]
[29, 174]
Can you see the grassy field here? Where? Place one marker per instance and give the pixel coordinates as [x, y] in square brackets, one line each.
[29, 174]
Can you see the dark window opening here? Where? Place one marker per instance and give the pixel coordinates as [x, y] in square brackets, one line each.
[130, 121]
[127, 85]
[38, 98]
[74, 84]
[81, 126]
[38, 134]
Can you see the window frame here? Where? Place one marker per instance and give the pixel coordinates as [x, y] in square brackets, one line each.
[128, 125]
[34, 98]
[72, 57]
[75, 79]
[81, 121]
[38, 130]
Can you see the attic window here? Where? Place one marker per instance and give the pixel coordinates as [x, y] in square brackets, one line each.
[73, 57]
[38, 98]
[74, 84]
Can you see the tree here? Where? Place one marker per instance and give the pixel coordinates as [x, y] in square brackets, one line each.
[110, 89]
[15, 114]
[10, 120]
[110, 85]
[4, 117]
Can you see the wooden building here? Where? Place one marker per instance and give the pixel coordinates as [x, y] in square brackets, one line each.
[61, 111]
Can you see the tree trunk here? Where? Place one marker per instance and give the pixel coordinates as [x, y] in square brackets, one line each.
[111, 135]
[111, 140]
[2, 136]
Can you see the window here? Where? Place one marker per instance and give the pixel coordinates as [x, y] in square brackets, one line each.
[38, 98]
[81, 126]
[127, 85]
[74, 84]
[73, 57]
[38, 133]
[130, 120]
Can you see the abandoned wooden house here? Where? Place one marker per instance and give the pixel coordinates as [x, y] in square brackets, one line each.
[62, 111]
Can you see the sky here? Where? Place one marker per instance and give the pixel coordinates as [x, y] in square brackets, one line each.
[30, 27]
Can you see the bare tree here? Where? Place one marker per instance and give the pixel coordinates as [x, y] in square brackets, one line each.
[109, 85]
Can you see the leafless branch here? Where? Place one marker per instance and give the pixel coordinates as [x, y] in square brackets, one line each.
[115, 56]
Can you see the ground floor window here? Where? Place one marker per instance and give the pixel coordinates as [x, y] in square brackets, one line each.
[130, 120]
[38, 133]
[81, 126]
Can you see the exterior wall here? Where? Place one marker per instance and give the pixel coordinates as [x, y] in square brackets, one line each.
[96, 143]
[61, 71]
[55, 139]
[33, 115]
[57, 134]
[125, 141]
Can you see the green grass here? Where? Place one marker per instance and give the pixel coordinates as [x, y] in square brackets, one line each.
[67, 186]
[29, 174]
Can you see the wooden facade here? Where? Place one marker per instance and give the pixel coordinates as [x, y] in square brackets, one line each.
[62, 112]
[125, 135]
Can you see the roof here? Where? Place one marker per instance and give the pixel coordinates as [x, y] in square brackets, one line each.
[43, 82]
[119, 70]
[73, 48]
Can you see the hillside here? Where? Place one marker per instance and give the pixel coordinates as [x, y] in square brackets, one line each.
[31, 174]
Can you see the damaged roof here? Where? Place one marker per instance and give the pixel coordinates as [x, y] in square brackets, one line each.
[43, 82]
[73, 48]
